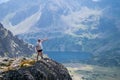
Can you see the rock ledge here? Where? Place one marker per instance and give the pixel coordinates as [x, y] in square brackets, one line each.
[45, 69]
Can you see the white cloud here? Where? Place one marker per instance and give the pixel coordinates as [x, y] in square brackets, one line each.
[95, 0]
[84, 20]
[3, 1]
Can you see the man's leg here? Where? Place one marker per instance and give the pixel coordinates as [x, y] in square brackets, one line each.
[37, 55]
[41, 54]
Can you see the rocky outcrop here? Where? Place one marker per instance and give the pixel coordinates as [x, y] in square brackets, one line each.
[12, 46]
[45, 69]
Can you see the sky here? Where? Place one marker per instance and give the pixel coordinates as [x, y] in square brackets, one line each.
[3, 1]
[95, 0]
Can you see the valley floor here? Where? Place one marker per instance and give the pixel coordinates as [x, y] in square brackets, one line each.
[92, 72]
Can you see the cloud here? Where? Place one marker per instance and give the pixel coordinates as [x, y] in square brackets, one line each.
[95, 0]
[85, 20]
[3, 1]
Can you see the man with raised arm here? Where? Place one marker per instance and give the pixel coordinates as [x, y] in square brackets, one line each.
[39, 48]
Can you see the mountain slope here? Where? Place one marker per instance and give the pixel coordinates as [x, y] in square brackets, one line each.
[12, 46]
[78, 25]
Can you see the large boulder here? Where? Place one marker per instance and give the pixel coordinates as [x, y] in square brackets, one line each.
[45, 69]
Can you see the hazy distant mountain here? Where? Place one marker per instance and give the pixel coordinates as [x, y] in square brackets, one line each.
[12, 46]
[71, 25]
[76, 25]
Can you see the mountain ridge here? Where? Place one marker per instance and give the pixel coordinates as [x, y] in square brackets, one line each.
[12, 46]
[79, 25]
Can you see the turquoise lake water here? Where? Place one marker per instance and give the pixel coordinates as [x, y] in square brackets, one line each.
[65, 57]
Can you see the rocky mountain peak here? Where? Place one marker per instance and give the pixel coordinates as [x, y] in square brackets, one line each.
[12, 46]
[45, 69]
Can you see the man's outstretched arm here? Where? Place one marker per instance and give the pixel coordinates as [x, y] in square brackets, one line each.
[44, 39]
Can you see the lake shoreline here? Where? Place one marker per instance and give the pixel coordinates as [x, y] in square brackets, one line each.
[79, 71]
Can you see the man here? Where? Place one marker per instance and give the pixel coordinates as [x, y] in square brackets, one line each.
[39, 48]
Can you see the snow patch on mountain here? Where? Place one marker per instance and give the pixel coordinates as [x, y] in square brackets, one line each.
[84, 20]
[23, 26]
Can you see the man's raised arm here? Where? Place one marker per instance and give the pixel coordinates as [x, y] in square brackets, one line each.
[44, 39]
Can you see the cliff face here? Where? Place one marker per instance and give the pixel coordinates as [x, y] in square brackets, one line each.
[12, 46]
[45, 69]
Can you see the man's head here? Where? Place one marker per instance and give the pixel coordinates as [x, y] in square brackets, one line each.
[39, 40]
